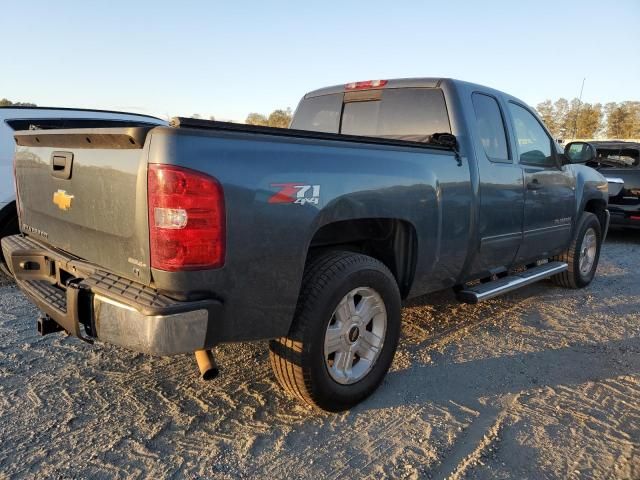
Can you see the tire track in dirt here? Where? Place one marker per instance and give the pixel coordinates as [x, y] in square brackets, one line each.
[482, 433]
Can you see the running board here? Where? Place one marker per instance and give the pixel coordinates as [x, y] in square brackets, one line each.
[484, 291]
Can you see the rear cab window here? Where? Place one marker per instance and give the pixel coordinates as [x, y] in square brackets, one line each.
[319, 114]
[412, 114]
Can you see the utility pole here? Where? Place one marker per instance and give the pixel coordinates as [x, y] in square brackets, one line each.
[575, 126]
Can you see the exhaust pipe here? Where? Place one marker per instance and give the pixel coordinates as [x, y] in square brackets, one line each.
[207, 364]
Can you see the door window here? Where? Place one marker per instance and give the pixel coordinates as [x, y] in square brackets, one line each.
[490, 127]
[534, 145]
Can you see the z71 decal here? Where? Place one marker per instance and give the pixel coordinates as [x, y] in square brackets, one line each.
[295, 193]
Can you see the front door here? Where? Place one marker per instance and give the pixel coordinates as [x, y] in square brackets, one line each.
[549, 204]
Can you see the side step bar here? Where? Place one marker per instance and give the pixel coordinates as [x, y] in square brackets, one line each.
[485, 291]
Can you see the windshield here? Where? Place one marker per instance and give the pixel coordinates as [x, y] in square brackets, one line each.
[627, 158]
[403, 113]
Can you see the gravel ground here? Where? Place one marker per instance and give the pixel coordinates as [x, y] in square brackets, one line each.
[541, 383]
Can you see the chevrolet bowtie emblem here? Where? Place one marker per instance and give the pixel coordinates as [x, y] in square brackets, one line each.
[62, 199]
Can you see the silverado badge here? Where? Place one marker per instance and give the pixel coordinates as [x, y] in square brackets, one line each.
[62, 199]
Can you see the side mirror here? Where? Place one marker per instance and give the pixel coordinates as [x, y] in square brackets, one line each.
[580, 152]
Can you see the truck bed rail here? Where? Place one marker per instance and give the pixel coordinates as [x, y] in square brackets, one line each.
[184, 122]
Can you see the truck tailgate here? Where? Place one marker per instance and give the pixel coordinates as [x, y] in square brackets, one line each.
[85, 192]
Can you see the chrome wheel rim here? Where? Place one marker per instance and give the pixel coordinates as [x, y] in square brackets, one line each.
[355, 335]
[588, 250]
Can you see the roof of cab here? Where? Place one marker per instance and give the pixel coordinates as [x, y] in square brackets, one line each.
[393, 83]
[421, 82]
[616, 144]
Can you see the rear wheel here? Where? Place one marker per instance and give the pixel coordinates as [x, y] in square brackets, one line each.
[583, 254]
[344, 333]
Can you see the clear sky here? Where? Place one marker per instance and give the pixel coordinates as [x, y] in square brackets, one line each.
[228, 58]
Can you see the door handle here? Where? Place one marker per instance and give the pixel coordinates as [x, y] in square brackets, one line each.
[61, 163]
[534, 185]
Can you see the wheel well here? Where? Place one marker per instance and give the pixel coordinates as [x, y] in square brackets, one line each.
[8, 225]
[9, 220]
[597, 207]
[389, 240]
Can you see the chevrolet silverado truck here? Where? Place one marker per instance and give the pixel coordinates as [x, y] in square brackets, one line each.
[14, 118]
[171, 240]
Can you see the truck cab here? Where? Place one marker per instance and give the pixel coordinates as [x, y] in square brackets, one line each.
[526, 200]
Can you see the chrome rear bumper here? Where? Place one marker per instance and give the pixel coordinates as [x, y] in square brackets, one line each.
[94, 304]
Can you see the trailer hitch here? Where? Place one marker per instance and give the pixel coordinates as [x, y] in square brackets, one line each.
[46, 325]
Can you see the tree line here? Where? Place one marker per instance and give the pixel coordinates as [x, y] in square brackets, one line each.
[575, 119]
[278, 118]
[8, 103]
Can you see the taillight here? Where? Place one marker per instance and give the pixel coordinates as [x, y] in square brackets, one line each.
[186, 219]
[368, 84]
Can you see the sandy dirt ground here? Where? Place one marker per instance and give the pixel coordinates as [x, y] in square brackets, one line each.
[541, 383]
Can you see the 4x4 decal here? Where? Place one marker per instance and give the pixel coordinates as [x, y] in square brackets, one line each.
[295, 193]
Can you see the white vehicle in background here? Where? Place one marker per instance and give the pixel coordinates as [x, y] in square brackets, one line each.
[14, 118]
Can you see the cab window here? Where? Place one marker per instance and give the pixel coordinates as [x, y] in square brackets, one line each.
[534, 145]
[319, 114]
[403, 113]
[490, 127]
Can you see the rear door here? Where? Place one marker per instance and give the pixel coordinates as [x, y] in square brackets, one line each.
[549, 188]
[85, 192]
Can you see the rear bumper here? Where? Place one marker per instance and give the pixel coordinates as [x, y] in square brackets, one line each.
[91, 303]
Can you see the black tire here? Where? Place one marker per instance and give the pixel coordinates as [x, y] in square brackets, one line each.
[298, 359]
[573, 277]
[8, 226]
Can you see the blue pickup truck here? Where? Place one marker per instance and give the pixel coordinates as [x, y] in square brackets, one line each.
[173, 239]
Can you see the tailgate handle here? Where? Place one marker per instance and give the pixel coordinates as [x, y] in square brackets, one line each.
[61, 163]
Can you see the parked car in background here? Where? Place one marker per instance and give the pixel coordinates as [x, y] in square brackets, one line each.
[41, 118]
[170, 240]
[619, 162]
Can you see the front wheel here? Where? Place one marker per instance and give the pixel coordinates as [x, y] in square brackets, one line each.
[344, 333]
[582, 255]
